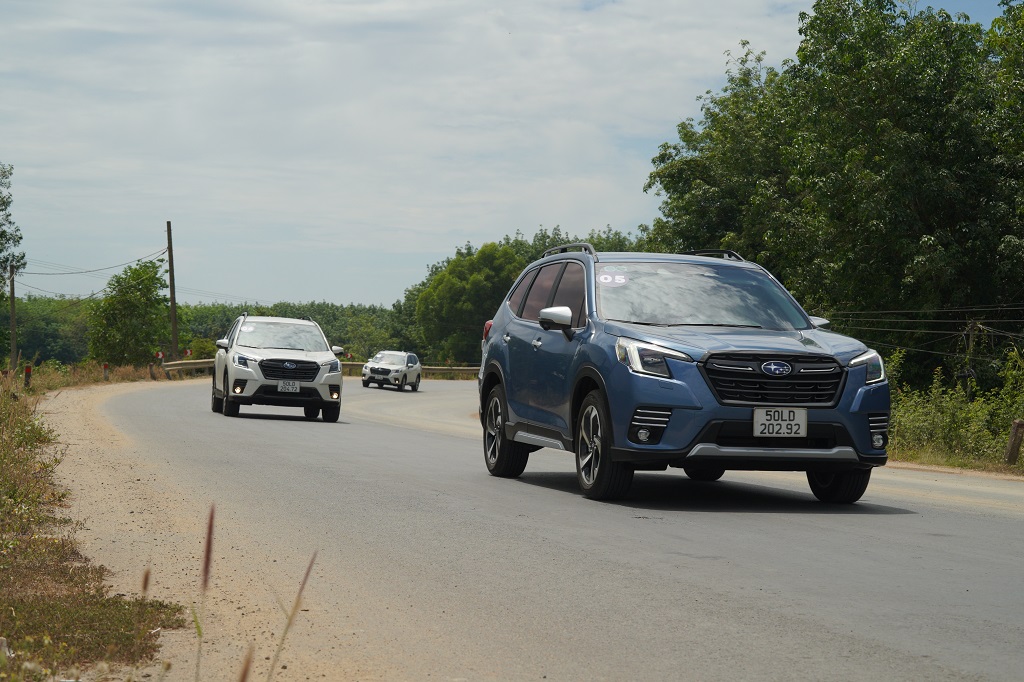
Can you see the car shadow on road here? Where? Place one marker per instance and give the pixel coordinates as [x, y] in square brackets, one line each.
[667, 492]
[268, 416]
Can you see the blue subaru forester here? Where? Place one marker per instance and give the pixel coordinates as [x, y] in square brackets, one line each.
[702, 361]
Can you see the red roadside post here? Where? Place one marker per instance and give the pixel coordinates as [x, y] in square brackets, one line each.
[28, 376]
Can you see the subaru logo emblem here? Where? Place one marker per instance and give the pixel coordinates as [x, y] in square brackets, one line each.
[776, 368]
[291, 365]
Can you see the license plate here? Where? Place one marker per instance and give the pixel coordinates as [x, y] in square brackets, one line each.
[288, 386]
[780, 422]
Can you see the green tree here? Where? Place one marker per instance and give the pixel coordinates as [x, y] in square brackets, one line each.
[10, 234]
[453, 307]
[877, 171]
[132, 322]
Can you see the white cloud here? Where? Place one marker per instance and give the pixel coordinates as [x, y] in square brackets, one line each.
[318, 149]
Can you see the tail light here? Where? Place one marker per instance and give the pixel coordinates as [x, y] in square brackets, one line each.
[487, 328]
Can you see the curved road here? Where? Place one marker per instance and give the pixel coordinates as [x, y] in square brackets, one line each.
[447, 573]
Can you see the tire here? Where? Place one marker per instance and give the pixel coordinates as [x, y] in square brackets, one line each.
[844, 487]
[415, 386]
[311, 411]
[704, 473]
[331, 412]
[599, 477]
[380, 384]
[216, 403]
[401, 386]
[230, 407]
[504, 458]
[366, 383]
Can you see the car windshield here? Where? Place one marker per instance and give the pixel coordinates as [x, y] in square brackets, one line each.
[389, 358]
[281, 335]
[693, 294]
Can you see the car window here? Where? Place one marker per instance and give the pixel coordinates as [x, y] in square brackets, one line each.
[389, 358]
[411, 359]
[230, 336]
[571, 292]
[694, 294]
[515, 301]
[540, 291]
[281, 335]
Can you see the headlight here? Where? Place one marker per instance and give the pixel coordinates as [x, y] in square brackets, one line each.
[647, 358]
[332, 366]
[873, 361]
[241, 360]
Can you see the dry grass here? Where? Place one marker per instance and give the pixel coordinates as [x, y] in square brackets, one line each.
[55, 610]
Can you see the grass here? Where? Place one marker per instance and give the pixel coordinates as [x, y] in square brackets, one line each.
[57, 616]
[56, 613]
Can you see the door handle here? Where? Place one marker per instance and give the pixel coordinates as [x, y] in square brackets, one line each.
[537, 344]
[506, 336]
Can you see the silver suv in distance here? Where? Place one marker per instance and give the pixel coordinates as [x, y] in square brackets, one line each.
[279, 361]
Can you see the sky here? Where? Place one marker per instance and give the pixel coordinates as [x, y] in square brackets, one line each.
[332, 150]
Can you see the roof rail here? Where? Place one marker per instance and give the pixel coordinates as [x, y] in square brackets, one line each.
[726, 254]
[582, 246]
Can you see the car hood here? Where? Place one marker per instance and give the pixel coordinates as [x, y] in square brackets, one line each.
[702, 341]
[286, 354]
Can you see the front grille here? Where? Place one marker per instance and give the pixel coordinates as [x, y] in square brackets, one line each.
[382, 371]
[304, 370]
[738, 379]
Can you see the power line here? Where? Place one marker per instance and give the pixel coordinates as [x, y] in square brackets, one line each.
[149, 257]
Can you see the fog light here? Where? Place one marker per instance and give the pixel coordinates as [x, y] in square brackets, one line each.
[878, 441]
[335, 395]
[238, 389]
[644, 435]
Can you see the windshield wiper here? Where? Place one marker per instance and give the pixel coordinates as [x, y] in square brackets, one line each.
[646, 324]
[714, 324]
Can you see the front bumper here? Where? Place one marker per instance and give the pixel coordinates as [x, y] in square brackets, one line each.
[686, 425]
[325, 389]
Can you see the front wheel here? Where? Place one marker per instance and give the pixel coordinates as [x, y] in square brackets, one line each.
[311, 411]
[844, 487]
[505, 458]
[230, 406]
[332, 412]
[366, 383]
[216, 402]
[415, 386]
[599, 477]
[401, 386]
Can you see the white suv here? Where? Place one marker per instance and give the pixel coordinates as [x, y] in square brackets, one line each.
[395, 368]
[277, 361]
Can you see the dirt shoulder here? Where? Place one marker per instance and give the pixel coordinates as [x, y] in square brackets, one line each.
[132, 518]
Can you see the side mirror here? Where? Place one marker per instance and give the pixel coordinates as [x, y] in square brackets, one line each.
[558, 318]
[820, 322]
[222, 343]
[337, 350]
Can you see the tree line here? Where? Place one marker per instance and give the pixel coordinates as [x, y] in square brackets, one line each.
[879, 174]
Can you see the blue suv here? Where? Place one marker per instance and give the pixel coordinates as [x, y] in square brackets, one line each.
[701, 361]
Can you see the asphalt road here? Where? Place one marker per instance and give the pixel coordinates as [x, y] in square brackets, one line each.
[450, 573]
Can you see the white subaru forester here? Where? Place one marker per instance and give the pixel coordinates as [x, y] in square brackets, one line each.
[279, 361]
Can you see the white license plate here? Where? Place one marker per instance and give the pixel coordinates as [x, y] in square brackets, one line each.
[780, 422]
[288, 386]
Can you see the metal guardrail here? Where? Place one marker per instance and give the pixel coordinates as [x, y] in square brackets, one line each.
[351, 369]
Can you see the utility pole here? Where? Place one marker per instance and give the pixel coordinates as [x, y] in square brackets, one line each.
[174, 305]
[14, 326]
